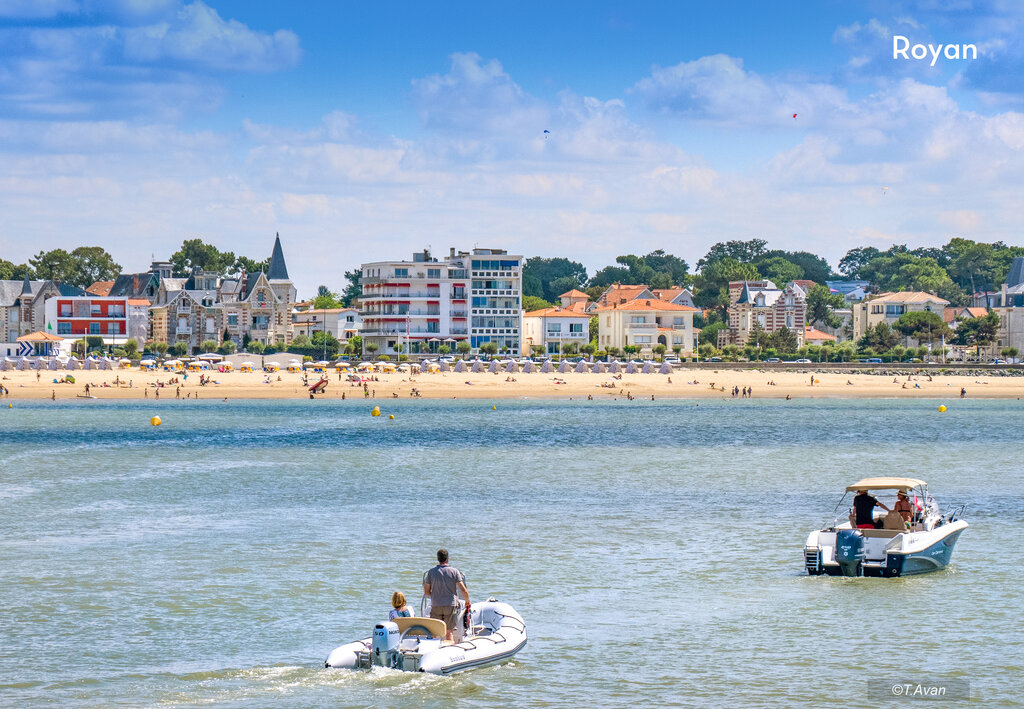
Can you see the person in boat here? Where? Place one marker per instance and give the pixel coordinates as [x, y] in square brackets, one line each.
[904, 507]
[399, 608]
[441, 584]
[863, 508]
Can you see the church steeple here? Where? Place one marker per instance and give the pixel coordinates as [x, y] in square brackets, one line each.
[277, 271]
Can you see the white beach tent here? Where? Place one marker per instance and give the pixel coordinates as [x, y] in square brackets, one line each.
[6, 364]
[52, 365]
[600, 367]
[666, 368]
[511, 368]
[493, 369]
[631, 368]
[581, 368]
[563, 367]
[444, 366]
[460, 366]
[478, 366]
[613, 368]
[648, 367]
[547, 367]
[73, 363]
[528, 367]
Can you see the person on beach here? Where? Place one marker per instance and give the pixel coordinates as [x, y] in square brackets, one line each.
[399, 608]
[441, 585]
[963, 393]
[863, 508]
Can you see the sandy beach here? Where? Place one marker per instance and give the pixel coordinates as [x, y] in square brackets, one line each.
[695, 383]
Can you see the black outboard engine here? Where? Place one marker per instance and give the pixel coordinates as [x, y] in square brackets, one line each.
[850, 551]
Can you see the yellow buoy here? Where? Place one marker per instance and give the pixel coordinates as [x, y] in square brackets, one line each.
[155, 421]
[494, 408]
[10, 406]
[375, 411]
[391, 417]
[942, 409]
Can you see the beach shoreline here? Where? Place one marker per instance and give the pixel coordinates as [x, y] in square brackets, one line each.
[681, 384]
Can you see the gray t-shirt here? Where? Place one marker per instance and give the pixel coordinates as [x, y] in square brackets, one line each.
[444, 585]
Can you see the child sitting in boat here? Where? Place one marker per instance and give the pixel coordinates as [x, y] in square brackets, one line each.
[400, 609]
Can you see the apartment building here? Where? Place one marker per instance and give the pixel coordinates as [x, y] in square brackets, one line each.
[116, 319]
[888, 307]
[645, 323]
[419, 305]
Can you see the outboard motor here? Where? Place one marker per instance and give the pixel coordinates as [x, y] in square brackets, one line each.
[385, 643]
[850, 551]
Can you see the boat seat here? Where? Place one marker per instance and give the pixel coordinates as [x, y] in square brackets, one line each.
[894, 520]
[880, 533]
[435, 627]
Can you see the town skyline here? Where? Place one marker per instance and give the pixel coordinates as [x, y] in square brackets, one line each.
[356, 131]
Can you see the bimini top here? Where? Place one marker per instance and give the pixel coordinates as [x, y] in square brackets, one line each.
[886, 484]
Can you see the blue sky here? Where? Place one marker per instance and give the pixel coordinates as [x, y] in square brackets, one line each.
[368, 130]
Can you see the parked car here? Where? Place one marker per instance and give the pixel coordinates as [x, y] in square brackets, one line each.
[773, 360]
[998, 361]
[913, 360]
[715, 359]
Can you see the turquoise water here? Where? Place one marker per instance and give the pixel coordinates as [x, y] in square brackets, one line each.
[654, 549]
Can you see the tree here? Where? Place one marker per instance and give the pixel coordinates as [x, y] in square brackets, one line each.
[821, 304]
[971, 264]
[589, 349]
[244, 263]
[228, 347]
[444, 349]
[537, 350]
[1009, 352]
[548, 278]
[660, 350]
[371, 347]
[741, 251]
[783, 340]
[353, 289]
[812, 267]
[922, 326]
[609, 275]
[357, 343]
[208, 345]
[256, 347]
[131, 348]
[489, 348]
[195, 254]
[594, 327]
[852, 265]
[179, 348]
[779, 270]
[301, 341]
[463, 347]
[160, 348]
[709, 333]
[880, 338]
[533, 302]
[325, 343]
[898, 271]
[93, 263]
[14, 272]
[57, 265]
[978, 332]
[613, 351]
[324, 299]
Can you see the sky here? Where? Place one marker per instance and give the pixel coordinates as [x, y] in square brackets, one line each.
[367, 131]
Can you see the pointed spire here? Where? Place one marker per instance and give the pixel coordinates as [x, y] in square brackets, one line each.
[277, 271]
[26, 288]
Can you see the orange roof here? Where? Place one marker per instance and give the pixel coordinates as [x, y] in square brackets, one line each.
[647, 304]
[556, 312]
[618, 293]
[574, 294]
[100, 288]
[811, 334]
[40, 336]
[667, 293]
[138, 301]
[908, 297]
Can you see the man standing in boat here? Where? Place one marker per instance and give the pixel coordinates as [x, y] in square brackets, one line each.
[863, 508]
[442, 584]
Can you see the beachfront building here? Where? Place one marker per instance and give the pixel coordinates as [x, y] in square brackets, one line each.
[115, 319]
[888, 307]
[646, 323]
[23, 311]
[420, 305]
[343, 323]
[760, 306]
[553, 328]
[813, 336]
[207, 306]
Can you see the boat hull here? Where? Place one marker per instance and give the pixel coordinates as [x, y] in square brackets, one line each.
[923, 553]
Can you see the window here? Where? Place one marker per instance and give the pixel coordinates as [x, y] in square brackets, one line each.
[433, 273]
[113, 329]
[677, 340]
[94, 328]
[638, 319]
[678, 321]
[402, 272]
[555, 327]
[115, 311]
[94, 308]
[759, 300]
[349, 318]
[63, 328]
[232, 319]
[642, 340]
[65, 310]
[576, 327]
[789, 320]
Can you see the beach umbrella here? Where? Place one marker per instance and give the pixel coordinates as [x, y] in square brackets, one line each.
[528, 367]
[648, 367]
[460, 366]
[613, 368]
[581, 368]
[547, 368]
[511, 368]
[477, 366]
[493, 369]
[631, 368]
[666, 368]
[563, 367]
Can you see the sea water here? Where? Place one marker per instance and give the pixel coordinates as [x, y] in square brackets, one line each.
[653, 547]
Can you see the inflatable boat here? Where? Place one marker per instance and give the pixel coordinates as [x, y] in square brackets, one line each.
[494, 635]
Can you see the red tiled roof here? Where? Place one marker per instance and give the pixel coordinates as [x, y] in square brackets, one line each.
[647, 304]
[811, 334]
[556, 312]
[574, 294]
[100, 288]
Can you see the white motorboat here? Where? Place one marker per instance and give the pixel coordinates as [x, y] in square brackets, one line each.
[495, 633]
[890, 546]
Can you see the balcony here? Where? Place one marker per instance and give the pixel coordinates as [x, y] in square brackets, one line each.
[552, 335]
[641, 326]
[182, 330]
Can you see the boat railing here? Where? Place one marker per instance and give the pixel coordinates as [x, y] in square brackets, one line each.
[954, 512]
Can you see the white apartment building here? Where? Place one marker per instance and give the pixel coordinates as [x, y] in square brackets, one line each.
[343, 323]
[551, 328]
[425, 303]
